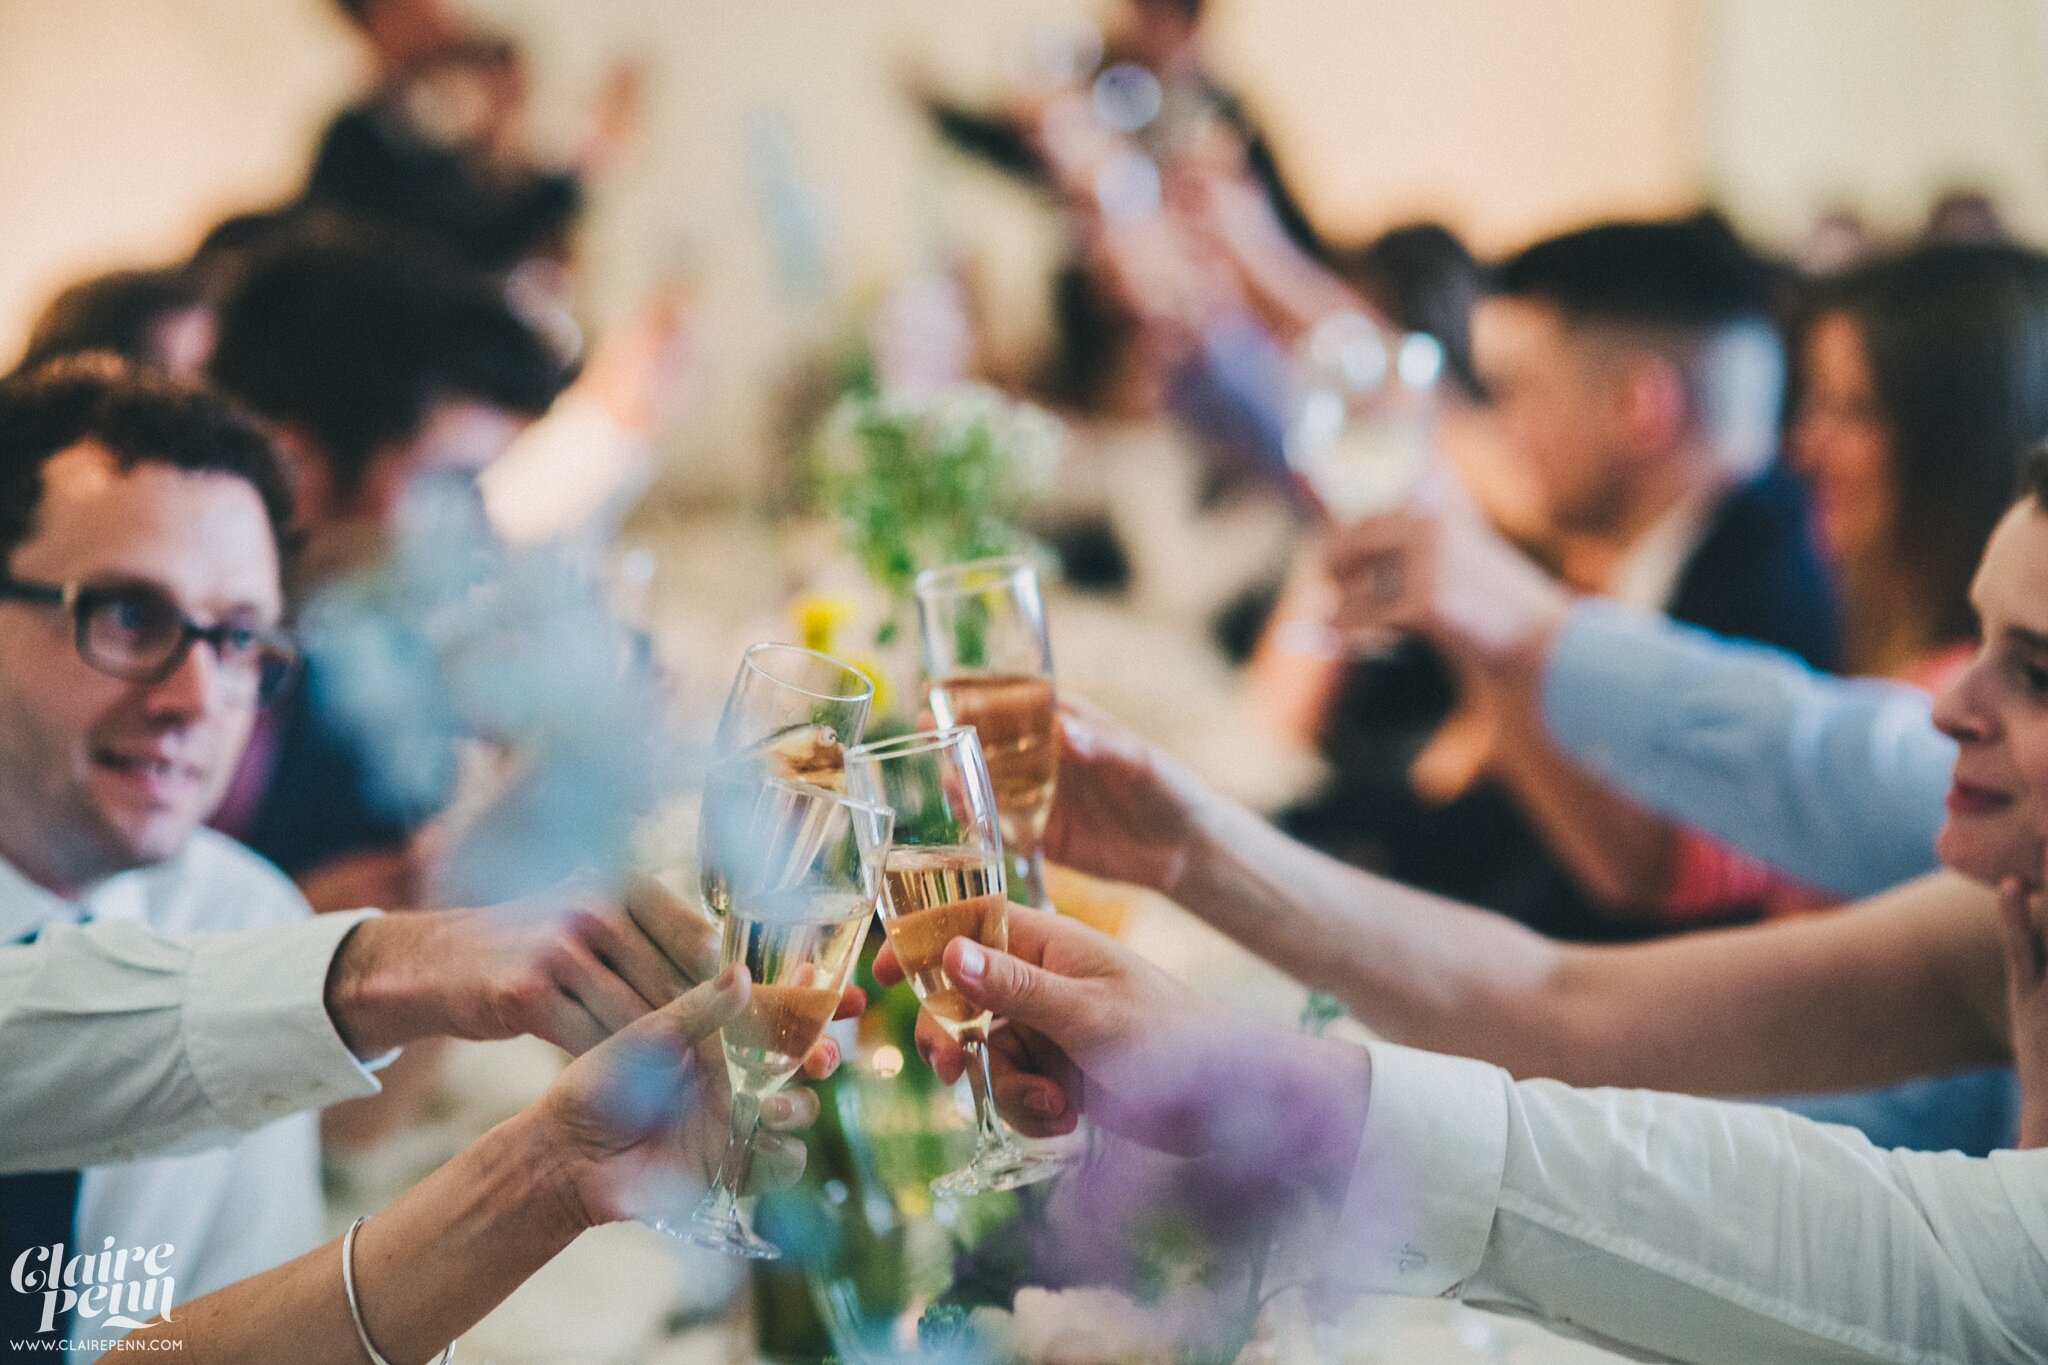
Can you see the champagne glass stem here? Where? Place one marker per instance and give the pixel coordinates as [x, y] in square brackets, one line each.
[723, 1203]
[1027, 877]
[989, 1133]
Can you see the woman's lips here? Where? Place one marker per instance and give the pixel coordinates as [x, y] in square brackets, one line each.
[1965, 798]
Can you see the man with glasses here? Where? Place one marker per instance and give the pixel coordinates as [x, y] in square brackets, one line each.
[140, 536]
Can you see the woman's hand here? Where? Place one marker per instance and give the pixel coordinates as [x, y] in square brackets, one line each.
[1123, 810]
[2023, 913]
[620, 1120]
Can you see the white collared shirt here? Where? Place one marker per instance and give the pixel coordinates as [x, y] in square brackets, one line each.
[1696, 1230]
[116, 1039]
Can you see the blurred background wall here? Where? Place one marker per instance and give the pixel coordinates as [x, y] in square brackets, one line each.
[127, 126]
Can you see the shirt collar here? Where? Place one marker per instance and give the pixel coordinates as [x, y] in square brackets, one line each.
[1647, 576]
[26, 907]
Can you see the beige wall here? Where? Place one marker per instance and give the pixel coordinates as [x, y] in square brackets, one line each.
[1505, 117]
[127, 125]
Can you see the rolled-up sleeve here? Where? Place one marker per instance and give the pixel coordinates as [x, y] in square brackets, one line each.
[118, 1043]
[1838, 782]
[1675, 1228]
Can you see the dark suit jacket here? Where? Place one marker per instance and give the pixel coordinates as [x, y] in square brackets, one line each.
[1755, 575]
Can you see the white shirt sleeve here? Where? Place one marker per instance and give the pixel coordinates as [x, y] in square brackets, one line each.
[118, 1043]
[1674, 1228]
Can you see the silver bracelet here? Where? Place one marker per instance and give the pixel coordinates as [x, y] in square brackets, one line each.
[355, 1309]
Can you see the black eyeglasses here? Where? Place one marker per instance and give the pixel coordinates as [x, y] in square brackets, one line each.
[135, 632]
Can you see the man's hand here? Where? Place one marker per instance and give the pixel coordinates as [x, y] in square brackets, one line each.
[1086, 1026]
[2023, 914]
[1123, 810]
[568, 968]
[1444, 574]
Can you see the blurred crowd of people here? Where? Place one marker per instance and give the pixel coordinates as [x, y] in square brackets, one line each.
[1597, 782]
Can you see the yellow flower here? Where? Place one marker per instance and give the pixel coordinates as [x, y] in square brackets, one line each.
[818, 616]
[873, 669]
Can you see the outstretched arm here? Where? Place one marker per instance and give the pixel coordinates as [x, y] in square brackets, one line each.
[1905, 985]
[1678, 1228]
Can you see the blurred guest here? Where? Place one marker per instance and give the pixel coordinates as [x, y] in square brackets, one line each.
[1634, 378]
[1965, 215]
[439, 146]
[378, 365]
[1837, 240]
[159, 318]
[1923, 382]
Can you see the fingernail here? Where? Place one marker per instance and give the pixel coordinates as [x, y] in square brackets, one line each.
[973, 961]
[779, 1109]
[729, 979]
[831, 1051]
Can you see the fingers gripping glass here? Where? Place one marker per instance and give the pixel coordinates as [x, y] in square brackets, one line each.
[803, 866]
[137, 633]
[943, 879]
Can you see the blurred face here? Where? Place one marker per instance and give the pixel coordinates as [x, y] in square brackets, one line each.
[1552, 408]
[1841, 447]
[459, 440]
[1997, 712]
[99, 775]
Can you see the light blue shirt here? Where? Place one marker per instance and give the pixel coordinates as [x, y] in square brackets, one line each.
[1839, 782]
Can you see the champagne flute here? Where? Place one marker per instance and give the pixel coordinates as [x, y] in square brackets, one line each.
[791, 712]
[943, 879]
[990, 664]
[803, 866]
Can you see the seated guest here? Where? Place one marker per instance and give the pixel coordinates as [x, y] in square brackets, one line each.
[159, 318]
[1633, 375]
[377, 364]
[437, 148]
[1919, 390]
[140, 525]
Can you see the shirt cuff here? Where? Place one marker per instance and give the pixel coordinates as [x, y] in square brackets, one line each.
[261, 1042]
[1419, 1213]
[1601, 686]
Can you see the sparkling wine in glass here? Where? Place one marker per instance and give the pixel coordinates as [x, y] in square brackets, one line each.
[791, 713]
[943, 878]
[803, 867]
[990, 664]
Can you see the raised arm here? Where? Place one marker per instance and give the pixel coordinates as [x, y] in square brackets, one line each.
[1906, 985]
[1838, 783]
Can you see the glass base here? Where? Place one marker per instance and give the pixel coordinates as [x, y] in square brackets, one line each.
[1006, 1168]
[708, 1228]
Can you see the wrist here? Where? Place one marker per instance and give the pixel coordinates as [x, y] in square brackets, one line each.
[380, 992]
[559, 1175]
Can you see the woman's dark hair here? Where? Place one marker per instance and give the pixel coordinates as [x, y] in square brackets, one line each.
[1957, 338]
[138, 417]
[116, 312]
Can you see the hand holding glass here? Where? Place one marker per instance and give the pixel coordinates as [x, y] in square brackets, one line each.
[803, 866]
[943, 879]
[990, 662]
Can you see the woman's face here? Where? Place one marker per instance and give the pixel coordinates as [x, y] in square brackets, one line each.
[1996, 710]
[1841, 446]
